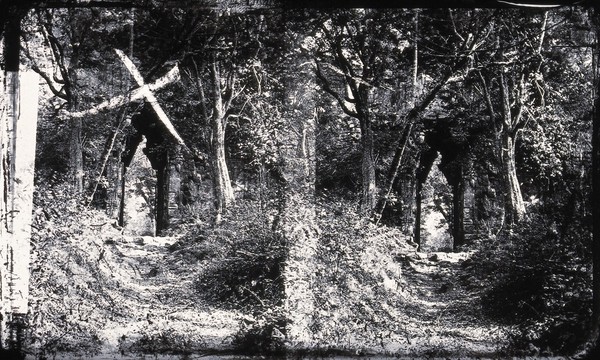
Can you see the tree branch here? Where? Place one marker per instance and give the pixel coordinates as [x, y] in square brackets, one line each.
[57, 92]
[200, 89]
[327, 88]
[488, 102]
[506, 111]
[58, 55]
[520, 100]
[229, 95]
[454, 26]
[215, 75]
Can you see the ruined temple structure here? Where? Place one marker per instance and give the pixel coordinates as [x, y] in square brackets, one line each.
[149, 169]
[456, 165]
[468, 168]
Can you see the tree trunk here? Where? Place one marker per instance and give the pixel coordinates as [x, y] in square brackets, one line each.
[425, 163]
[76, 155]
[458, 212]
[415, 67]
[369, 185]
[162, 192]
[223, 192]
[392, 176]
[418, 198]
[104, 166]
[121, 193]
[76, 134]
[407, 202]
[515, 208]
[369, 181]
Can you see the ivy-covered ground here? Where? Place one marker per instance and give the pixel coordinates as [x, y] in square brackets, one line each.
[207, 290]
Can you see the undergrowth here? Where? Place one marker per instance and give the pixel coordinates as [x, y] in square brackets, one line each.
[241, 260]
[240, 268]
[538, 282]
[67, 286]
[354, 259]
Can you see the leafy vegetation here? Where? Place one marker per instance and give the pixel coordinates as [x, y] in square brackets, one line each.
[538, 282]
[409, 182]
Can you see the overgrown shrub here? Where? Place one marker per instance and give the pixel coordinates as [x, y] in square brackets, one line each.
[242, 269]
[246, 271]
[66, 284]
[539, 282]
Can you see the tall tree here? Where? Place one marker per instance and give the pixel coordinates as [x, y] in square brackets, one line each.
[228, 42]
[356, 49]
[66, 33]
[516, 64]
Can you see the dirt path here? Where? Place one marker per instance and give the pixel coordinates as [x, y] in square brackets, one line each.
[438, 315]
[444, 315]
[159, 295]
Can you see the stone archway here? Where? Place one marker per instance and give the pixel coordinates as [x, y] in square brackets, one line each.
[456, 166]
[436, 211]
[152, 171]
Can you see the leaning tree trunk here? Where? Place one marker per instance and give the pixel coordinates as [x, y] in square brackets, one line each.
[515, 208]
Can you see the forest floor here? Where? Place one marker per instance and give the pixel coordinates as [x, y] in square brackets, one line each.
[443, 315]
[395, 300]
[97, 291]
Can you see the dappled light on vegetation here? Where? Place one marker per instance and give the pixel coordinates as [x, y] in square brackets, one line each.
[235, 179]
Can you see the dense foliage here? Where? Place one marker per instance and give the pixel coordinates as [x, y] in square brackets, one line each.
[539, 282]
[395, 133]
